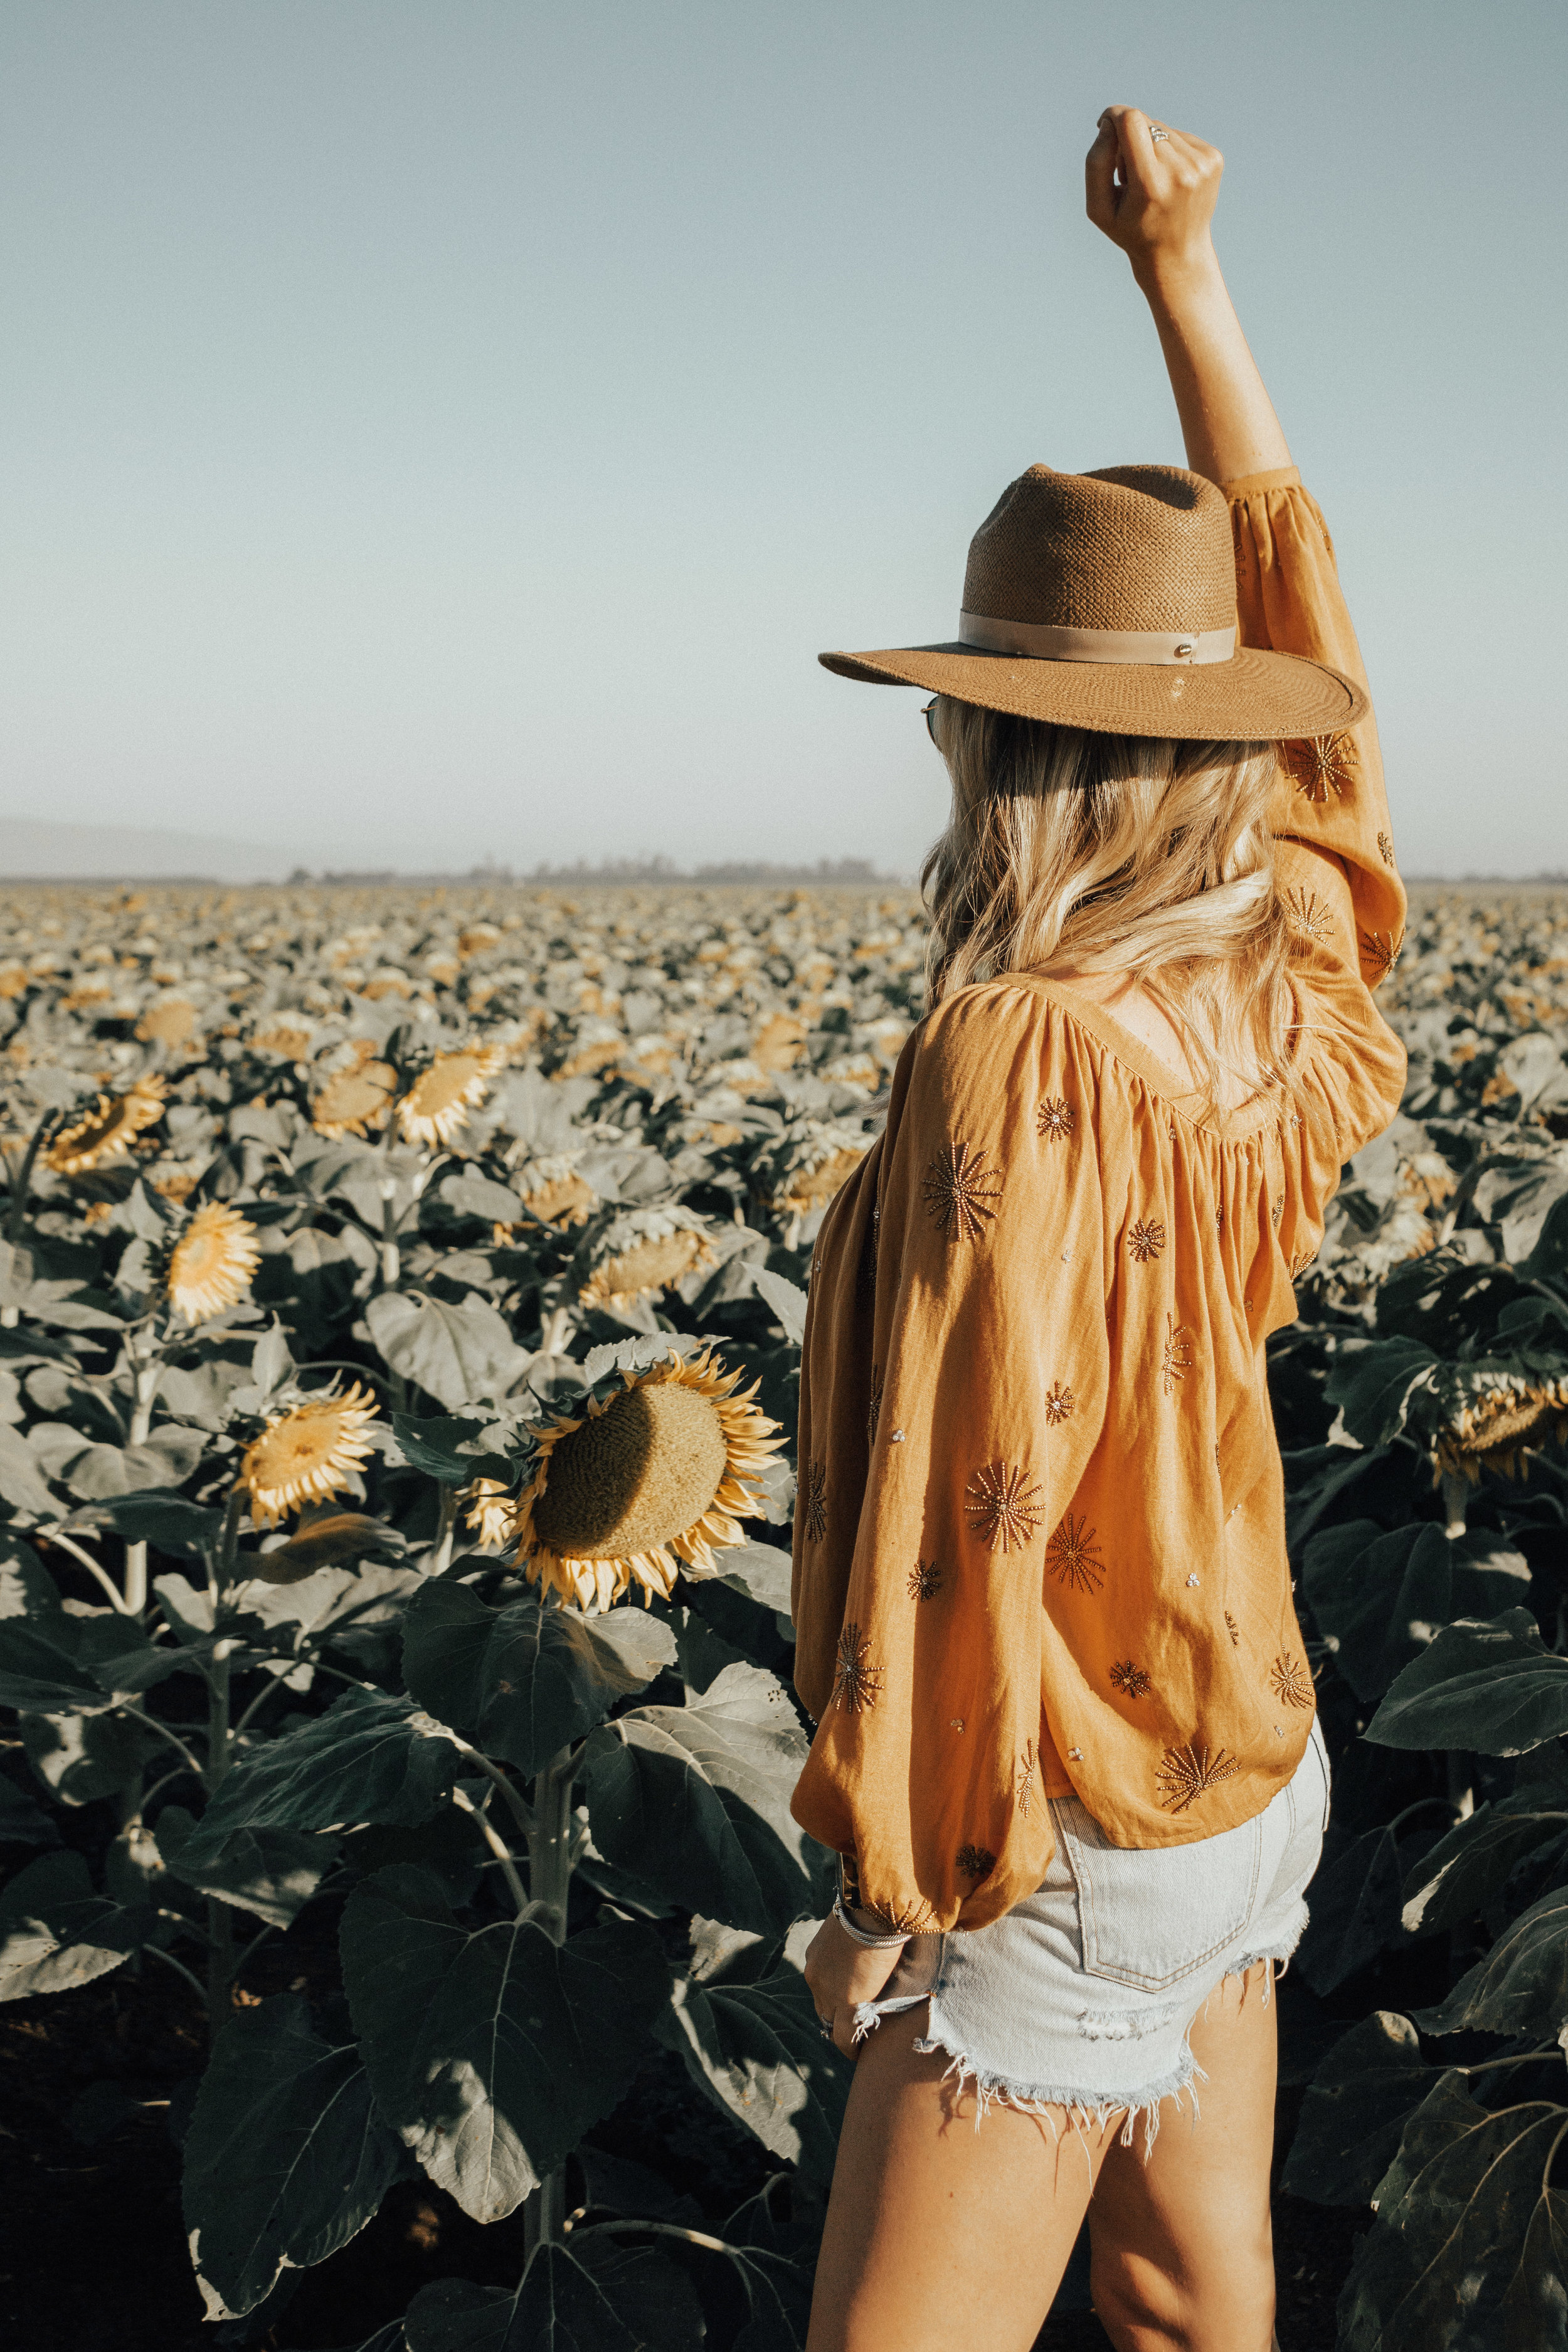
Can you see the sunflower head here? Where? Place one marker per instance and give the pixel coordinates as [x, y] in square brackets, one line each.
[649, 1251]
[356, 1099]
[438, 1104]
[109, 1131]
[307, 1455]
[213, 1263]
[1501, 1427]
[653, 1479]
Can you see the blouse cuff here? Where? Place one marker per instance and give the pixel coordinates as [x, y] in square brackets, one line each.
[1246, 486]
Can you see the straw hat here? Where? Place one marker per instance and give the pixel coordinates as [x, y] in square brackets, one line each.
[1108, 601]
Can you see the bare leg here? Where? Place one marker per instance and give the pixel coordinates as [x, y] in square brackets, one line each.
[1183, 2255]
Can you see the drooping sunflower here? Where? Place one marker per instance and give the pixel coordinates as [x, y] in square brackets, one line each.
[213, 1264]
[649, 1251]
[1501, 1427]
[812, 1169]
[655, 1479]
[436, 1105]
[109, 1129]
[552, 1192]
[307, 1455]
[356, 1099]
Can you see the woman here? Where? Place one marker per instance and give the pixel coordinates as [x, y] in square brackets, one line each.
[1066, 1746]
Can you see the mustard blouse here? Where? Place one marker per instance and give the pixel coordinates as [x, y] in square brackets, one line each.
[1039, 1540]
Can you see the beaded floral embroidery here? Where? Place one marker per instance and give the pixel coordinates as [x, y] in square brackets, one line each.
[1178, 1359]
[1290, 1681]
[908, 1918]
[1186, 1775]
[1073, 1556]
[1132, 1679]
[874, 1405]
[1307, 915]
[925, 1580]
[977, 1861]
[1054, 1119]
[856, 1685]
[1002, 1509]
[1146, 1239]
[1230, 1629]
[1385, 848]
[814, 1500]
[1320, 765]
[1059, 1405]
[1024, 1784]
[959, 1190]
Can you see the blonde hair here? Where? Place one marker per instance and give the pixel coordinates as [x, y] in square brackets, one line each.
[1067, 850]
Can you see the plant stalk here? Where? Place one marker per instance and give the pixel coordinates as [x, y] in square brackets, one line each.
[550, 1880]
[440, 1558]
[220, 1918]
[391, 1261]
[147, 1370]
[18, 1216]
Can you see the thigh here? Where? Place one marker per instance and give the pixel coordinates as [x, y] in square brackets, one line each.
[945, 2227]
[1182, 2251]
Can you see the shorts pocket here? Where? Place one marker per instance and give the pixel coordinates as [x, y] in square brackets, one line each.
[1152, 1915]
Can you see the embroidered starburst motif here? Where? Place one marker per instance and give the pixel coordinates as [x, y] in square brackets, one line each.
[1024, 1782]
[1289, 1680]
[1230, 1625]
[874, 1405]
[814, 1500]
[1385, 848]
[1001, 1507]
[1186, 1775]
[977, 1861]
[1320, 765]
[1060, 1403]
[1381, 951]
[959, 1190]
[925, 1580]
[857, 1684]
[1132, 1679]
[1307, 914]
[1146, 1239]
[1055, 1119]
[1277, 1210]
[1073, 1555]
[1178, 1359]
[908, 1918]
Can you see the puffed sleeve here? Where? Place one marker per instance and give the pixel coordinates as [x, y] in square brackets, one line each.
[953, 1385]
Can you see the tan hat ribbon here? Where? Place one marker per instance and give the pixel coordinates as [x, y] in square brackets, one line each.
[1043, 641]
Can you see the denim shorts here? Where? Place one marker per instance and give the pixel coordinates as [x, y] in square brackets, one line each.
[1083, 1995]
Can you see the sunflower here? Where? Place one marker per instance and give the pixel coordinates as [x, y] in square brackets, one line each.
[653, 1260]
[491, 1512]
[553, 1192]
[168, 1021]
[827, 1164]
[307, 1455]
[653, 1479]
[213, 1263]
[354, 1100]
[1499, 1429]
[436, 1104]
[107, 1131]
[290, 1044]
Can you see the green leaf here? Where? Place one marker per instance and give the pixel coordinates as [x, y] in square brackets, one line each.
[492, 2049]
[1521, 1986]
[595, 2296]
[1460, 2256]
[761, 1571]
[1379, 1598]
[22, 1483]
[1371, 1384]
[696, 1799]
[1355, 2110]
[786, 1299]
[749, 2035]
[43, 1669]
[1355, 1912]
[368, 1759]
[168, 1522]
[286, 2157]
[57, 1933]
[457, 1354]
[1455, 1878]
[481, 1197]
[432, 1445]
[1494, 1688]
[273, 1873]
[22, 1822]
[522, 1681]
[330, 1541]
[81, 1757]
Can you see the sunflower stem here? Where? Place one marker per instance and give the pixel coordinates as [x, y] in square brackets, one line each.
[441, 1551]
[1456, 1494]
[391, 1263]
[18, 1216]
[550, 1880]
[148, 1368]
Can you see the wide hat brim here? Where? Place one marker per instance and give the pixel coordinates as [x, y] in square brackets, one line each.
[1254, 696]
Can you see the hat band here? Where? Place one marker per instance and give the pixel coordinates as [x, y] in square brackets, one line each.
[1043, 641]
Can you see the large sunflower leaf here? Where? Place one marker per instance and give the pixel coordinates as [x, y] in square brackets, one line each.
[431, 1445]
[1354, 2111]
[1355, 1911]
[1371, 1385]
[757, 2048]
[368, 1759]
[1465, 2254]
[57, 1933]
[81, 1757]
[1494, 1688]
[522, 1681]
[22, 1480]
[696, 1800]
[273, 1873]
[597, 2294]
[1454, 1878]
[43, 1669]
[286, 2157]
[457, 1353]
[1378, 1597]
[492, 2049]
[1521, 1986]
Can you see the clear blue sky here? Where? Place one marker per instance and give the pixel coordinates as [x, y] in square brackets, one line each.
[441, 429]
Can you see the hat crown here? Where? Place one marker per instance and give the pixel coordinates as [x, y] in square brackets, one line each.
[1129, 547]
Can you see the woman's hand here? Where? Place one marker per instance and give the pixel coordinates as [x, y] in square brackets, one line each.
[1154, 197]
[841, 1974]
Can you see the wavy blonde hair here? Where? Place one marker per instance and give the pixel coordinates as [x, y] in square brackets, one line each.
[1067, 850]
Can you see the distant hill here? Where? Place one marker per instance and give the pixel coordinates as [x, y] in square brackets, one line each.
[33, 851]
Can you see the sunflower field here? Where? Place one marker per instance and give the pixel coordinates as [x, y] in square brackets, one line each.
[401, 1296]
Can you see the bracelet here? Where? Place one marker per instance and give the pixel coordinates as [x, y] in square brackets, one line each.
[858, 1935]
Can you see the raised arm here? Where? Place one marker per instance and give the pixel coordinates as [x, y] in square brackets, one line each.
[1154, 198]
